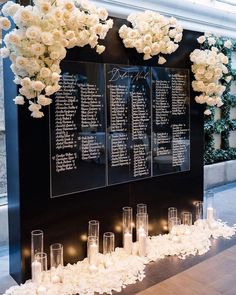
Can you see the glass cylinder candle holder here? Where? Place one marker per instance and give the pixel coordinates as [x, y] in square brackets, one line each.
[173, 222]
[187, 218]
[199, 210]
[56, 262]
[92, 250]
[39, 265]
[108, 243]
[127, 220]
[93, 228]
[172, 213]
[36, 247]
[141, 208]
[36, 243]
[210, 211]
[142, 232]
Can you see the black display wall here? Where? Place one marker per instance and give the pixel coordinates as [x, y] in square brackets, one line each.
[64, 219]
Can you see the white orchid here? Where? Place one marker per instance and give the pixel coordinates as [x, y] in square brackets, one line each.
[44, 32]
[151, 34]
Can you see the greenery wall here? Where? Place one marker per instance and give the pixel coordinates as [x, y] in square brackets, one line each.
[225, 124]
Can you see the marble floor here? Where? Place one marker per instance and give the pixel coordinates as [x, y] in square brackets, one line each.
[174, 271]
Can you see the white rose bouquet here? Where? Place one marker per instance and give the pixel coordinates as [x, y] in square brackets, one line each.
[151, 34]
[210, 69]
[38, 44]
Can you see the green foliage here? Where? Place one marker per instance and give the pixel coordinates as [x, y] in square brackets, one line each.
[224, 125]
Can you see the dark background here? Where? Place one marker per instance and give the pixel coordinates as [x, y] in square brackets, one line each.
[65, 219]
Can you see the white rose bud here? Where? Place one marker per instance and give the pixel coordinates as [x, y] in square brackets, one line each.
[100, 49]
[228, 44]
[43, 100]
[4, 52]
[201, 39]
[19, 100]
[37, 114]
[207, 112]
[45, 72]
[161, 60]
[38, 86]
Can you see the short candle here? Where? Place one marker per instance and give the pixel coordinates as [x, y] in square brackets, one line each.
[210, 214]
[36, 272]
[93, 251]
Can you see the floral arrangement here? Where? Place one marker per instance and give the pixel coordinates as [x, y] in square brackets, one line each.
[210, 70]
[38, 43]
[151, 34]
[117, 270]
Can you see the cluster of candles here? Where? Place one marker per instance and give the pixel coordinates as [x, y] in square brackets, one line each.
[39, 258]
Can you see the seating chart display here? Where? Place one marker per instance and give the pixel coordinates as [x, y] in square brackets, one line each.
[112, 124]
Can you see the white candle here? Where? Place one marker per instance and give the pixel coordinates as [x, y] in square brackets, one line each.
[128, 243]
[36, 269]
[142, 241]
[93, 252]
[210, 214]
[55, 279]
[41, 290]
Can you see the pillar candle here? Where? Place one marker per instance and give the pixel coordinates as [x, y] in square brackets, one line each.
[36, 272]
[93, 252]
[128, 243]
[142, 241]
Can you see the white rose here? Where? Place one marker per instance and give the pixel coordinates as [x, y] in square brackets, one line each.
[201, 39]
[172, 33]
[19, 100]
[55, 77]
[211, 41]
[100, 49]
[21, 62]
[69, 5]
[147, 50]
[178, 37]
[4, 52]
[161, 60]
[34, 107]
[37, 114]
[49, 90]
[26, 82]
[147, 38]
[23, 16]
[55, 55]
[211, 101]
[110, 23]
[147, 56]
[10, 8]
[133, 34]
[33, 32]
[208, 75]
[102, 13]
[45, 72]
[47, 38]
[44, 6]
[172, 21]
[43, 100]
[38, 49]
[207, 112]
[200, 99]
[5, 24]
[13, 38]
[38, 86]
[228, 44]
[70, 34]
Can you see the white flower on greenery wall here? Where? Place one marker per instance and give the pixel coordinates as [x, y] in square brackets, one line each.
[40, 41]
[211, 70]
[151, 34]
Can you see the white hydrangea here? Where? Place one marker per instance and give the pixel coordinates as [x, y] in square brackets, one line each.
[44, 31]
[151, 34]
